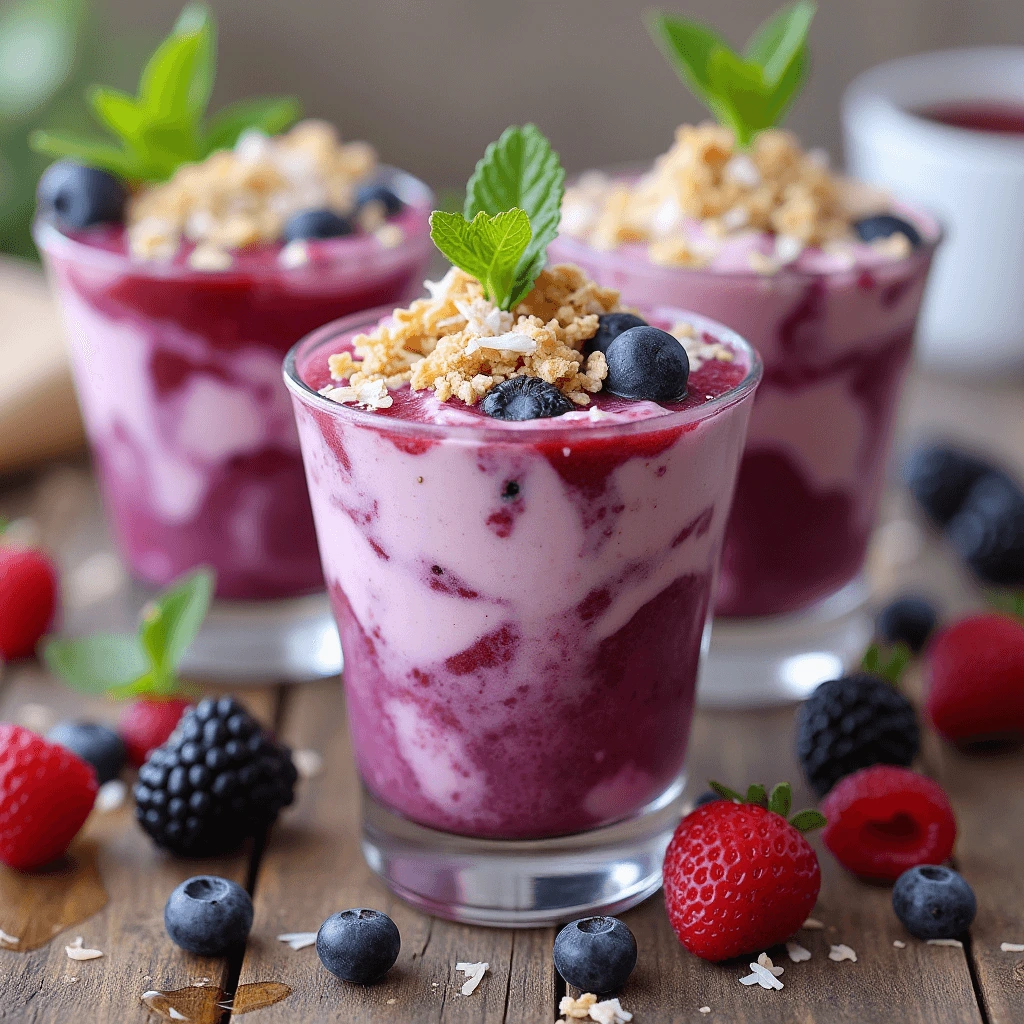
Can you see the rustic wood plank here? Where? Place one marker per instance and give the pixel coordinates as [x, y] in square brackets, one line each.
[313, 867]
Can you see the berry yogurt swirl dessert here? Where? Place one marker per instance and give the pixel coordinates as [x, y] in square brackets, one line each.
[188, 256]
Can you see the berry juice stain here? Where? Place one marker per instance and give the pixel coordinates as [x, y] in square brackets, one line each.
[37, 905]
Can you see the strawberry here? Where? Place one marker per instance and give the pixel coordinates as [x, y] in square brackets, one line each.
[975, 679]
[884, 820]
[28, 599]
[738, 876]
[146, 724]
[46, 793]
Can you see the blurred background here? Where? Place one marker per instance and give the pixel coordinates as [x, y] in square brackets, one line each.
[430, 82]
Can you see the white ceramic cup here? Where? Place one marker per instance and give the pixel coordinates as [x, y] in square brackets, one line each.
[973, 181]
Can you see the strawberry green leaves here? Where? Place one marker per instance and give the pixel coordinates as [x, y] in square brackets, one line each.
[748, 92]
[124, 665]
[779, 802]
[511, 213]
[165, 124]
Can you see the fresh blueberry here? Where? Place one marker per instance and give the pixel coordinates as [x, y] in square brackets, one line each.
[988, 530]
[596, 954]
[647, 363]
[909, 620]
[317, 224]
[358, 945]
[379, 194]
[707, 797]
[79, 197]
[939, 477]
[97, 744]
[208, 915]
[525, 398]
[934, 902]
[883, 225]
[609, 327]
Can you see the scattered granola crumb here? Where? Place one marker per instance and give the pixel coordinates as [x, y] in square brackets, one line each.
[210, 257]
[899, 943]
[764, 973]
[797, 953]
[390, 236]
[461, 345]
[610, 1012]
[308, 763]
[896, 247]
[294, 254]
[956, 943]
[76, 951]
[698, 349]
[474, 975]
[368, 394]
[842, 952]
[1012, 947]
[812, 924]
[110, 796]
[8, 940]
[298, 940]
[578, 1009]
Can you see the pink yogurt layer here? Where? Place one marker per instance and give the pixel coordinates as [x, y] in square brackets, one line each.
[178, 373]
[522, 606]
[836, 341]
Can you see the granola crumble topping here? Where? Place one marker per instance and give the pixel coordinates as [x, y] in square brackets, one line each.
[776, 188]
[243, 196]
[461, 345]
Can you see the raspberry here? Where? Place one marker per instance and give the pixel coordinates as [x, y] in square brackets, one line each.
[738, 879]
[147, 723]
[46, 793]
[975, 679]
[28, 599]
[883, 820]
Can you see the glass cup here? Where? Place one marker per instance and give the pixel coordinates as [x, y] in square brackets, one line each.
[790, 608]
[178, 376]
[523, 610]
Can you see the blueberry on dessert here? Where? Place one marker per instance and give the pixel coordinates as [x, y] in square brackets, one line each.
[97, 744]
[380, 195]
[317, 224]
[609, 327]
[525, 398]
[885, 225]
[208, 915]
[934, 902]
[647, 363]
[939, 477]
[909, 620]
[219, 779]
[78, 197]
[596, 954]
[359, 945]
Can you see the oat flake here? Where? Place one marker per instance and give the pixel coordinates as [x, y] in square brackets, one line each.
[76, 951]
[797, 953]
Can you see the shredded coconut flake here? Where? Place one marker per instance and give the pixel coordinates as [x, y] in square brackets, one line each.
[956, 943]
[294, 255]
[111, 796]
[511, 342]
[298, 940]
[308, 763]
[368, 394]
[842, 952]
[1012, 947]
[704, 1009]
[8, 940]
[764, 973]
[812, 924]
[474, 975]
[797, 953]
[76, 951]
[899, 943]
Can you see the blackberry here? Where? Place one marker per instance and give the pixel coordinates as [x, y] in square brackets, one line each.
[218, 779]
[939, 477]
[853, 723]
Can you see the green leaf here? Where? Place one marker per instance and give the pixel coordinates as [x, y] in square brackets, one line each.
[81, 148]
[778, 42]
[489, 248]
[1010, 602]
[724, 792]
[270, 115]
[97, 663]
[781, 799]
[889, 663]
[756, 795]
[688, 46]
[171, 622]
[808, 821]
[196, 19]
[520, 171]
[121, 113]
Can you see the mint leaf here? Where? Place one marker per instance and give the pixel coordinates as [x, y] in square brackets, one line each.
[96, 663]
[688, 45]
[520, 171]
[196, 19]
[1010, 602]
[270, 115]
[889, 663]
[489, 248]
[92, 152]
[808, 821]
[777, 44]
[170, 623]
[781, 799]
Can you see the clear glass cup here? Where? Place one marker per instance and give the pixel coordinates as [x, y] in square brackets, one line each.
[790, 609]
[178, 376]
[523, 613]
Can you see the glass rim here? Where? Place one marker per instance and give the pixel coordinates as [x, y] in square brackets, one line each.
[616, 259]
[515, 433]
[50, 239]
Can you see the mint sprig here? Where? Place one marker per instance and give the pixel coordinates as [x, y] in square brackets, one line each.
[889, 662]
[126, 665]
[748, 92]
[165, 124]
[779, 802]
[511, 213]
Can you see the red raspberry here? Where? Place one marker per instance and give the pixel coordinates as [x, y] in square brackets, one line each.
[146, 724]
[883, 820]
[28, 599]
[46, 793]
[975, 671]
[738, 879]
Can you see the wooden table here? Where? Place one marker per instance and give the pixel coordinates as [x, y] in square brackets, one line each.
[113, 889]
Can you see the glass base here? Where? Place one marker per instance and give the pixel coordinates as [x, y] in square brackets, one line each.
[525, 883]
[779, 659]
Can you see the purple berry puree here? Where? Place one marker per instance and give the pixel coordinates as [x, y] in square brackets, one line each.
[836, 345]
[178, 373]
[522, 606]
